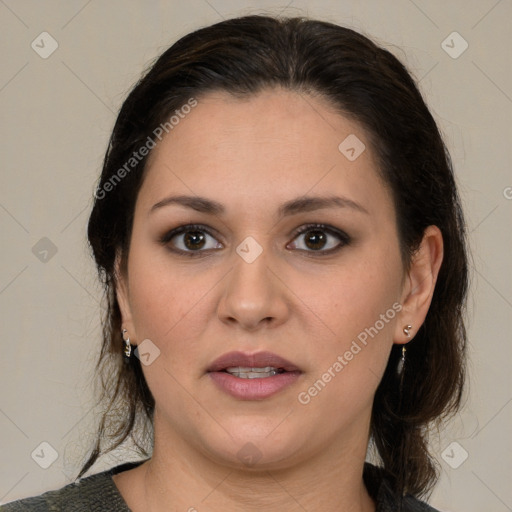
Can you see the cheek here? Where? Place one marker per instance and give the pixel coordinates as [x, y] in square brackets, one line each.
[358, 307]
[353, 296]
[348, 368]
[169, 304]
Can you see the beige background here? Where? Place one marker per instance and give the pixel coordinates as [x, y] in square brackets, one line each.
[56, 117]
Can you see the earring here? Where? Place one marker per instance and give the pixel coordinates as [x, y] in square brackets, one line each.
[127, 345]
[401, 362]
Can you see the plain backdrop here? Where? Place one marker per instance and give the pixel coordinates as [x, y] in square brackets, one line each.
[57, 112]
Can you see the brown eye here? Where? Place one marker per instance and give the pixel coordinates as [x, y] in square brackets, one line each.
[315, 239]
[190, 239]
[194, 240]
[319, 238]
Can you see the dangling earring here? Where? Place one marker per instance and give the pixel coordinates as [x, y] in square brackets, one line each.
[401, 362]
[127, 346]
[401, 366]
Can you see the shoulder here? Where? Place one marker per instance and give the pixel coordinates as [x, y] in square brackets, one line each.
[89, 494]
[379, 487]
[94, 493]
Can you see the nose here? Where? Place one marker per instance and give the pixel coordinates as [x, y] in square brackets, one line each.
[254, 296]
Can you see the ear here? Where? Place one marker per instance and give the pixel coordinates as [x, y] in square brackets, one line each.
[123, 299]
[419, 284]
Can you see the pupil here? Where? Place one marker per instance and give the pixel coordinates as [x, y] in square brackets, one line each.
[316, 239]
[194, 239]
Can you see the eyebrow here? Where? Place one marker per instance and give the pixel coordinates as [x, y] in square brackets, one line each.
[292, 207]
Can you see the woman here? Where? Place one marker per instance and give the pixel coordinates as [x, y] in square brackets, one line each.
[283, 250]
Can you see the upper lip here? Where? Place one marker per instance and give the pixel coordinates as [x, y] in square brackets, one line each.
[257, 360]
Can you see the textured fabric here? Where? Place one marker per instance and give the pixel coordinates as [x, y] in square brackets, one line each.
[98, 493]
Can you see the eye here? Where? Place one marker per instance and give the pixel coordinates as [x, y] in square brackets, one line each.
[320, 238]
[189, 239]
[193, 239]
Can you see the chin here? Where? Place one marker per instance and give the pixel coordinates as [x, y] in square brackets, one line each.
[257, 445]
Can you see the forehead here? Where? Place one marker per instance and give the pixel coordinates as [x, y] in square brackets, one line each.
[278, 119]
[272, 145]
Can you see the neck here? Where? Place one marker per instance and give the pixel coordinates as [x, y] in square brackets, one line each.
[179, 477]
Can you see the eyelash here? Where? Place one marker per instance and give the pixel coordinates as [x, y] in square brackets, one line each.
[341, 235]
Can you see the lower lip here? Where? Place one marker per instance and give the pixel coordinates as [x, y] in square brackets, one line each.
[253, 389]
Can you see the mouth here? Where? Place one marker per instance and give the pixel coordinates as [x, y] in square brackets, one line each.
[253, 373]
[252, 376]
[250, 366]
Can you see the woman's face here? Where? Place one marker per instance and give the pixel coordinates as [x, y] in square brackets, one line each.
[254, 274]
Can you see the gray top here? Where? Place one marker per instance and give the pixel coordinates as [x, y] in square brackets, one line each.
[98, 493]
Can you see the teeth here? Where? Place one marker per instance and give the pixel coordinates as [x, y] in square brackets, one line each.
[252, 373]
[249, 369]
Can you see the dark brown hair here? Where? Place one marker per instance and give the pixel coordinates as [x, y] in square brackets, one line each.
[365, 82]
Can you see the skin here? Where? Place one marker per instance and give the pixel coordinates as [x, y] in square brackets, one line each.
[252, 155]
